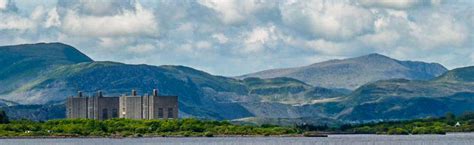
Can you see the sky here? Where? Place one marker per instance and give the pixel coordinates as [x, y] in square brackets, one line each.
[235, 37]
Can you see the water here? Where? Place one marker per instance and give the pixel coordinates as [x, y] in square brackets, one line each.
[450, 139]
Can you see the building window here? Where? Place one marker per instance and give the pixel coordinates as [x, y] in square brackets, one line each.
[105, 114]
[160, 112]
[114, 113]
[170, 112]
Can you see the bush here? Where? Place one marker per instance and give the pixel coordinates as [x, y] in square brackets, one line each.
[208, 134]
[438, 130]
[420, 130]
[130, 127]
[365, 130]
[397, 131]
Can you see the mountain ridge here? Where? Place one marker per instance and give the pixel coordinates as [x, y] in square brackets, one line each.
[21, 63]
[344, 73]
[203, 95]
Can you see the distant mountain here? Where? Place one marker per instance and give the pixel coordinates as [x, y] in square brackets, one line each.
[406, 99]
[6, 103]
[459, 75]
[354, 72]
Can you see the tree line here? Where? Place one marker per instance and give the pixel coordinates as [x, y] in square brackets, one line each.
[194, 127]
[440, 125]
[136, 128]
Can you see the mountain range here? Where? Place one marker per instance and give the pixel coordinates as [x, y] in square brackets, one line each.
[354, 72]
[37, 78]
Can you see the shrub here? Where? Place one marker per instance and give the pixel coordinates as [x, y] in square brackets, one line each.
[397, 131]
[208, 134]
[420, 130]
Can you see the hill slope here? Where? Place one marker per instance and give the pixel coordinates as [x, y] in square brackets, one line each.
[21, 63]
[200, 94]
[354, 72]
[44, 73]
[405, 99]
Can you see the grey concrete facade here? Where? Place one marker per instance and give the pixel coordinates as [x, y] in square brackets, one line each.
[133, 106]
[77, 106]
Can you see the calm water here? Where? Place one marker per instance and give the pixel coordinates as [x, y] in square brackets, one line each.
[450, 139]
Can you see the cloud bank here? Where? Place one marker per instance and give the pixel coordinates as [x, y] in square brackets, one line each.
[233, 37]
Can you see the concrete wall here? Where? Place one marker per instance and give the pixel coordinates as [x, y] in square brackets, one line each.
[77, 107]
[131, 107]
[165, 107]
[108, 104]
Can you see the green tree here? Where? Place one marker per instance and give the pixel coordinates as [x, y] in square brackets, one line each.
[3, 117]
[450, 118]
[397, 130]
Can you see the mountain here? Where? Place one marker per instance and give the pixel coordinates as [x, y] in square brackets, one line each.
[40, 94]
[200, 94]
[407, 99]
[64, 71]
[354, 72]
[21, 63]
[459, 75]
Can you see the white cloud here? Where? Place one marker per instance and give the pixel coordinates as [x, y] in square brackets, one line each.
[325, 47]
[97, 7]
[396, 4]
[203, 45]
[113, 43]
[138, 22]
[235, 11]
[221, 38]
[327, 19]
[141, 48]
[381, 40]
[16, 22]
[439, 31]
[3, 4]
[256, 40]
[52, 19]
[246, 34]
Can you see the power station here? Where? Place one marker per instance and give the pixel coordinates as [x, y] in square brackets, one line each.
[126, 106]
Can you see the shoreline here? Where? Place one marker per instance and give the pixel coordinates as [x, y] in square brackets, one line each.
[217, 136]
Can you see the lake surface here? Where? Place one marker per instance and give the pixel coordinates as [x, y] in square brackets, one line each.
[449, 139]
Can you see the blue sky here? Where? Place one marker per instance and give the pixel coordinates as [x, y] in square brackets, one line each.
[234, 37]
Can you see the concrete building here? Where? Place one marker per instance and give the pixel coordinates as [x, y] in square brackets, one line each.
[127, 106]
[131, 106]
[102, 108]
[77, 106]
